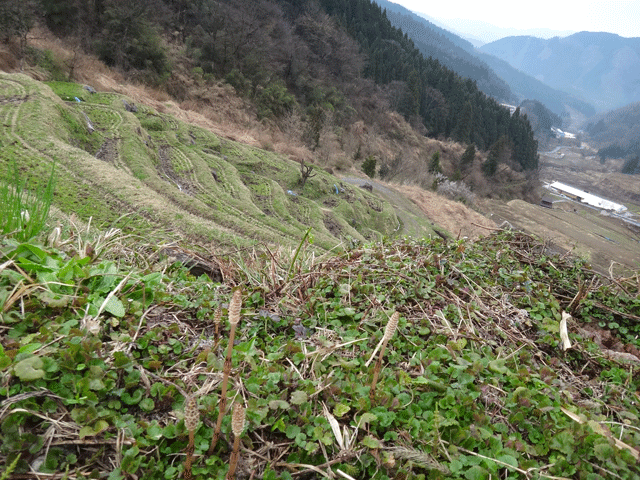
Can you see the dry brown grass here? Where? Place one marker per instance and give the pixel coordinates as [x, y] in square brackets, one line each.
[453, 216]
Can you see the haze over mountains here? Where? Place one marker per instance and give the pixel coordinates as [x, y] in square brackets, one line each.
[494, 76]
[585, 72]
[603, 68]
[480, 33]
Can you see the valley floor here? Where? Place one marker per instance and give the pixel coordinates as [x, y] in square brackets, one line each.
[608, 243]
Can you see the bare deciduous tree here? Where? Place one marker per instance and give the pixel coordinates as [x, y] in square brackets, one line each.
[305, 173]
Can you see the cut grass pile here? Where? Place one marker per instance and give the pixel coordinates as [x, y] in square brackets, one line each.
[112, 366]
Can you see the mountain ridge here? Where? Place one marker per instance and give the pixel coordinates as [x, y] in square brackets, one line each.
[600, 67]
[461, 55]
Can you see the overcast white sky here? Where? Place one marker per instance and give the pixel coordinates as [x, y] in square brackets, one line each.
[615, 16]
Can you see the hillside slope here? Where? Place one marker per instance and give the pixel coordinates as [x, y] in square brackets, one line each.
[175, 176]
[448, 49]
[619, 127]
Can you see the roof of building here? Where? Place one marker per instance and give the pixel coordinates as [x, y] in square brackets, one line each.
[588, 198]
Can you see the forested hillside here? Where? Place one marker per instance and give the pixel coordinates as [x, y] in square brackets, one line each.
[448, 104]
[452, 51]
[494, 76]
[317, 58]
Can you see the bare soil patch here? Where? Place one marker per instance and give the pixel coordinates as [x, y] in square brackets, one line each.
[108, 151]
[332, 225]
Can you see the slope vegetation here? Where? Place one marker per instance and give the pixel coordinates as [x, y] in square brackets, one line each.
[112, 157]
[401, 359]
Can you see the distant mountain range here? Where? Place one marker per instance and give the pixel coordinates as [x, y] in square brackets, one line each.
[601, 68]
[480, 33]
[493, 76]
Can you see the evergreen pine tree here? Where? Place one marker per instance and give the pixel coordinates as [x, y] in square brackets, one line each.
[631, 166]
[468, 156]
[434, 163]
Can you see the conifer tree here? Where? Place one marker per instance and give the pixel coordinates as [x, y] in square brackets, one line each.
[434, 163]
[468, 156]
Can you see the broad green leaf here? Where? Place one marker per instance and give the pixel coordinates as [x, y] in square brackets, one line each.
[292, 431]
[115, 307]
[169, 431]
[455, 465]
[366, 418]
[26, 249]
[29, 347]
[299, 397]
[311, 447]
[146, 404]
[98, 427]
[29, 369]
[54, 301]
[85, 432]
[498, 366]
[154, 431]
[385, 418]
[279, 425]
[132, 399]
[509, 460]
[275, 404]
[96, 384]
[563, 442]
[475, 473]
[371, 442]
[340, 410]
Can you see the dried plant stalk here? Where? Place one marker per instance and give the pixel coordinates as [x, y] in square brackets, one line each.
[234, 317]
[388, 333]
[237, 425]
[191, 418]
[216, 322]
[390, 329]
[234, 307]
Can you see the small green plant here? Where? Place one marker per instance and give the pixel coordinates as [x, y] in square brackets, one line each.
[369, 166]
[24, 212]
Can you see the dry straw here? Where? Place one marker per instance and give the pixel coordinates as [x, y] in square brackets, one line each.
[235, 305]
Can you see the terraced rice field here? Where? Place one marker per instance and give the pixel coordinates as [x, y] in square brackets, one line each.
[169, 175]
